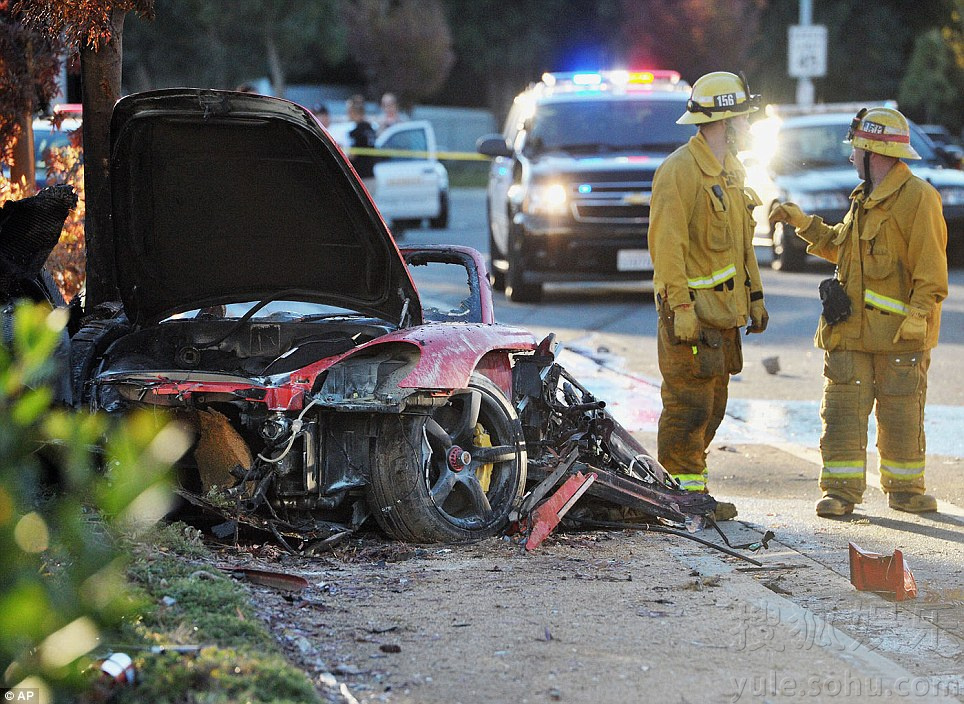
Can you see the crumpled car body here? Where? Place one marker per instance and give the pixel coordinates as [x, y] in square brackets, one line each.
[264, 303]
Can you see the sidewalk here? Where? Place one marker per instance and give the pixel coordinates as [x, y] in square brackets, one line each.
[804, 593]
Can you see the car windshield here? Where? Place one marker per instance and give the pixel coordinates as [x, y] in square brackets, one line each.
[273, 310]
[822, 146]
[607, 126]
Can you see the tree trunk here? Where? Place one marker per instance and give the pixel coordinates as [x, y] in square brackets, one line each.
[101, 84]
[275, 68]
[24, 167]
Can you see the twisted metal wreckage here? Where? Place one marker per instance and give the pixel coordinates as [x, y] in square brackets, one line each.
[310, 499]
[312, 410]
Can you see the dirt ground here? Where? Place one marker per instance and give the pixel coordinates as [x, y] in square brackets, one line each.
[618, 616]
[629, 615]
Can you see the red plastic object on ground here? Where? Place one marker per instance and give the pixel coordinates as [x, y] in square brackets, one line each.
[872, 572]
[546, 517]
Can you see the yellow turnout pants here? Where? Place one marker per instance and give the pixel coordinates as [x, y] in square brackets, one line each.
[694, 394]
[853, 382]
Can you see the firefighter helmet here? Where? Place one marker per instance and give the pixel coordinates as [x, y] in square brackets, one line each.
[717, 96]
[883, 131]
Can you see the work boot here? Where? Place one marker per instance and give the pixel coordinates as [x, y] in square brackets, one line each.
[830, 506]
[725, 511]
[912, 503]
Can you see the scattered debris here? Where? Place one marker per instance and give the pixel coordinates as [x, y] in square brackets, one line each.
[118, 669]
[774, 586]
[547, 516]
[772, 365]
[889, 574]
[648, 613]
[276, 580]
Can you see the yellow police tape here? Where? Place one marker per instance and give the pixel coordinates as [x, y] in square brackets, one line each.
[406, 153]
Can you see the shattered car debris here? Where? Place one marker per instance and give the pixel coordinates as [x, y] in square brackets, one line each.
[29, 230]
[264, 302]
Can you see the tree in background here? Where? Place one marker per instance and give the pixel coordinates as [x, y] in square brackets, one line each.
[690, 36]
[29, 62]
[403, 46]
[218, 45]
[932, 89]
[96, 28]
[868, 51]
[503, 47]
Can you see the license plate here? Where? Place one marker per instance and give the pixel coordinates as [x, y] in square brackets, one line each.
[633, 260]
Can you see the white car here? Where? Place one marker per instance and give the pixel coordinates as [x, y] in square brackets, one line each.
[409, 188]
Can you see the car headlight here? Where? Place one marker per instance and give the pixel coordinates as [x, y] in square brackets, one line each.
[545, 199]
[952, 195]
[820, 200]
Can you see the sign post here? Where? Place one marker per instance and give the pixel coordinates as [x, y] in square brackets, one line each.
[806, 58]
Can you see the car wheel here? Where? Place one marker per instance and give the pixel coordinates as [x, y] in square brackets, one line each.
[86, 347]
[452, 475]
[442, 220]
[789, 253]
[516, 288]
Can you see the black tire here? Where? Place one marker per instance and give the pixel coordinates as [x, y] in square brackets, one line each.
[789, 252]
[516, 288]
[86, 347]
[496, 277]
[419, 490]
[441, 221]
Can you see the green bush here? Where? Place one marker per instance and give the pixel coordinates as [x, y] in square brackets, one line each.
[63, 586]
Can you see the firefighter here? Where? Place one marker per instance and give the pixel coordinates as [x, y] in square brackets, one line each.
[890, 252]
[706, 275]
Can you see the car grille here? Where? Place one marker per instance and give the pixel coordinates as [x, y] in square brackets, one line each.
[611, 202]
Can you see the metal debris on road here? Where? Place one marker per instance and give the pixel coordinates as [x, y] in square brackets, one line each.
[887, 574]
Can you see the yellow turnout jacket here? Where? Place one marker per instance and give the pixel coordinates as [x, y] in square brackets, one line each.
[701, 233]
[891, 255]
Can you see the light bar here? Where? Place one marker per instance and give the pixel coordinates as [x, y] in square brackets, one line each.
[587, 79]
[615, 78]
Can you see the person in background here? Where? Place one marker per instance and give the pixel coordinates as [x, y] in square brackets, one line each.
[706, 275]
[891, 257]
[390, 114]
[361, 136]
[323, 116]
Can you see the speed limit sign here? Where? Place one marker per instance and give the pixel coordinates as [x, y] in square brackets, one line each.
[807, 51]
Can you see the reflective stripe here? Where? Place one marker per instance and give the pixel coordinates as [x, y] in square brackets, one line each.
[692, 482]
[882, 137]
[717, 277]
[902, 471]
[884, 303]
[843, 470]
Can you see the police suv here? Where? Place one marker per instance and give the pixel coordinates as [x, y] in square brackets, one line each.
[571, 180]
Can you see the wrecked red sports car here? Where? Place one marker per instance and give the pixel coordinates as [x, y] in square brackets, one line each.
[264, 301]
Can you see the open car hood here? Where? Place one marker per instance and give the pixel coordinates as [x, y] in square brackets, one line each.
[222, 197]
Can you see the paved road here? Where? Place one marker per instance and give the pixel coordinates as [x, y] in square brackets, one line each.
[766, 460]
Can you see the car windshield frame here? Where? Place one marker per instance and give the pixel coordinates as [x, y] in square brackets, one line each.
[606, 125]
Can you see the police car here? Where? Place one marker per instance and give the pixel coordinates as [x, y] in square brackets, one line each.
[571, 180]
